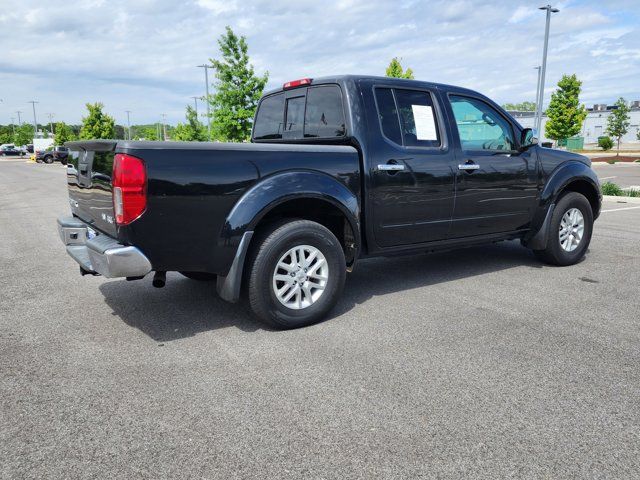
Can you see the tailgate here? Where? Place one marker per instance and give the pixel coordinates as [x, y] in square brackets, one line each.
[89, 172]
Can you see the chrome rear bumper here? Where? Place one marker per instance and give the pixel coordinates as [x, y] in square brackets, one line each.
[101, 254]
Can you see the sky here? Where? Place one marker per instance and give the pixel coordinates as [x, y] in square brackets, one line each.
[141, 55]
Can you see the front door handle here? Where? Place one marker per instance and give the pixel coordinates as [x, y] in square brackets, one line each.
[469, 166]
[391, 167]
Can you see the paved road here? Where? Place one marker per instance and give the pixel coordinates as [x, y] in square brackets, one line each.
[478, 363]
[622, 174]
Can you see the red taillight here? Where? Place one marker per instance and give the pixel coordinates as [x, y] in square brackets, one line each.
[297, 83]
[129, 188]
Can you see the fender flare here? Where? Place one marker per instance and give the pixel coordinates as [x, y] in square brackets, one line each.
[260, 199]
[562, 176]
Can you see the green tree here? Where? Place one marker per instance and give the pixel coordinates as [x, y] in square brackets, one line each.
[144, 132]
[63, 133]
[97, 124]
[565, 112]
[24, 134]
[618, 121]
[395, 70]
[238, 89]
[192, 130]
[520, 107]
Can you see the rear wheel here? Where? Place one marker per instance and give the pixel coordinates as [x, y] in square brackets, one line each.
[200, 276]
[569, 232]
[297, 272]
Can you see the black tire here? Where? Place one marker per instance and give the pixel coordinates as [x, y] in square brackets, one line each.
[200, 276]
[268, 249]
[554, 254]
[48, 159]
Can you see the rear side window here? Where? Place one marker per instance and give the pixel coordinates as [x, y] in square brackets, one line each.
[407, 117]
[388, 115]
[270, 118]
[324, 117]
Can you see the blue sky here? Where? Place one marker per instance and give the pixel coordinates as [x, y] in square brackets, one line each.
[140, 55]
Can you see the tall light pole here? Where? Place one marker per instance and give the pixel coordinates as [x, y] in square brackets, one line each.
[50, 115]
[543, 71]
[195, 100]
[128, 124]
[206, 83]
[35, 122]
[164, 127]
[13, 127]
[535, 118]
[19, 121]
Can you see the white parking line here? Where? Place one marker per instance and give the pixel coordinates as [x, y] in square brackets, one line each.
[607, 178]
[619, 209]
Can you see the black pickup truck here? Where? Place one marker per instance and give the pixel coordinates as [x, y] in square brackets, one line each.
[338, 169]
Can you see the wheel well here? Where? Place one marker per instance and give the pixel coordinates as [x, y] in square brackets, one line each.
[320, 211]
[588, 190]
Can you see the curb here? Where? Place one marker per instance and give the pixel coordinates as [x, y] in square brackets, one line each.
[621, 199]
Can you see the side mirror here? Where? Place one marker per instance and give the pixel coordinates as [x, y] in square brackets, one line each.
[529, 138]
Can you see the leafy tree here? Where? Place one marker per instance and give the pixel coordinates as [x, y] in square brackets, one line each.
[520, 107]
[24, 134]
[238, 89]
[63, 133]
[144, 132]
[395, 70]
[565, 112]
[618, 121]
[97, 124]
[192, 130]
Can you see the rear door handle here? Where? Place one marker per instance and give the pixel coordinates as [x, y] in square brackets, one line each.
[391, 167]
[469, 166]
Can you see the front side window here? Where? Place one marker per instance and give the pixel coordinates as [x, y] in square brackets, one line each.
[324, 117]
[480, 126]
[269, 120]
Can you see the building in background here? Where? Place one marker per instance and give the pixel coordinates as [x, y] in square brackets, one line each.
[594, 126]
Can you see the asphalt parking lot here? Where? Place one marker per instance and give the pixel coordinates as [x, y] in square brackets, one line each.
[623, 174]
[479, 363]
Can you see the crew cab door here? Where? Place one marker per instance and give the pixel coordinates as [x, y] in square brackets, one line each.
[496, 183]
[411, 177]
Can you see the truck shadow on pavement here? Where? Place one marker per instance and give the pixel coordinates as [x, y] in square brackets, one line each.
[184, 308]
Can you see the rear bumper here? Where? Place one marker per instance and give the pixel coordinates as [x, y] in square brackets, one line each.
[101, 254]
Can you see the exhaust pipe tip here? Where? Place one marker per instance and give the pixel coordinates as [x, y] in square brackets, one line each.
[159, 279]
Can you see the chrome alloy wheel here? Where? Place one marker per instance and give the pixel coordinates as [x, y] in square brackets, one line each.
[300, 277]
[571, 229]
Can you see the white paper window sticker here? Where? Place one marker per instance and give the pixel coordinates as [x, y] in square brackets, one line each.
[425, 123]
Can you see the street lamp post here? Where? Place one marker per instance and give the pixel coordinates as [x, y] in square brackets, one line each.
[19, 120]
[195, 101]
[51, 115]
[164, 127]
[13, 127]
[543, 70]
[35, 122]
[535, 118]
[206, 82]
[128, 125]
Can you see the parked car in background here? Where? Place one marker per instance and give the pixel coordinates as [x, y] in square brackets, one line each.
[51, 154]
[11, 151]
[29, 148]
[61, 154]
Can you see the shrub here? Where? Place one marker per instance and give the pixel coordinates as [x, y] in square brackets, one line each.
[605, 143]
[609, 188]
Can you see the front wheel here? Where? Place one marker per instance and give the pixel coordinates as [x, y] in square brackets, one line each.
[297, 273]
[48, 159]
[569, 232]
